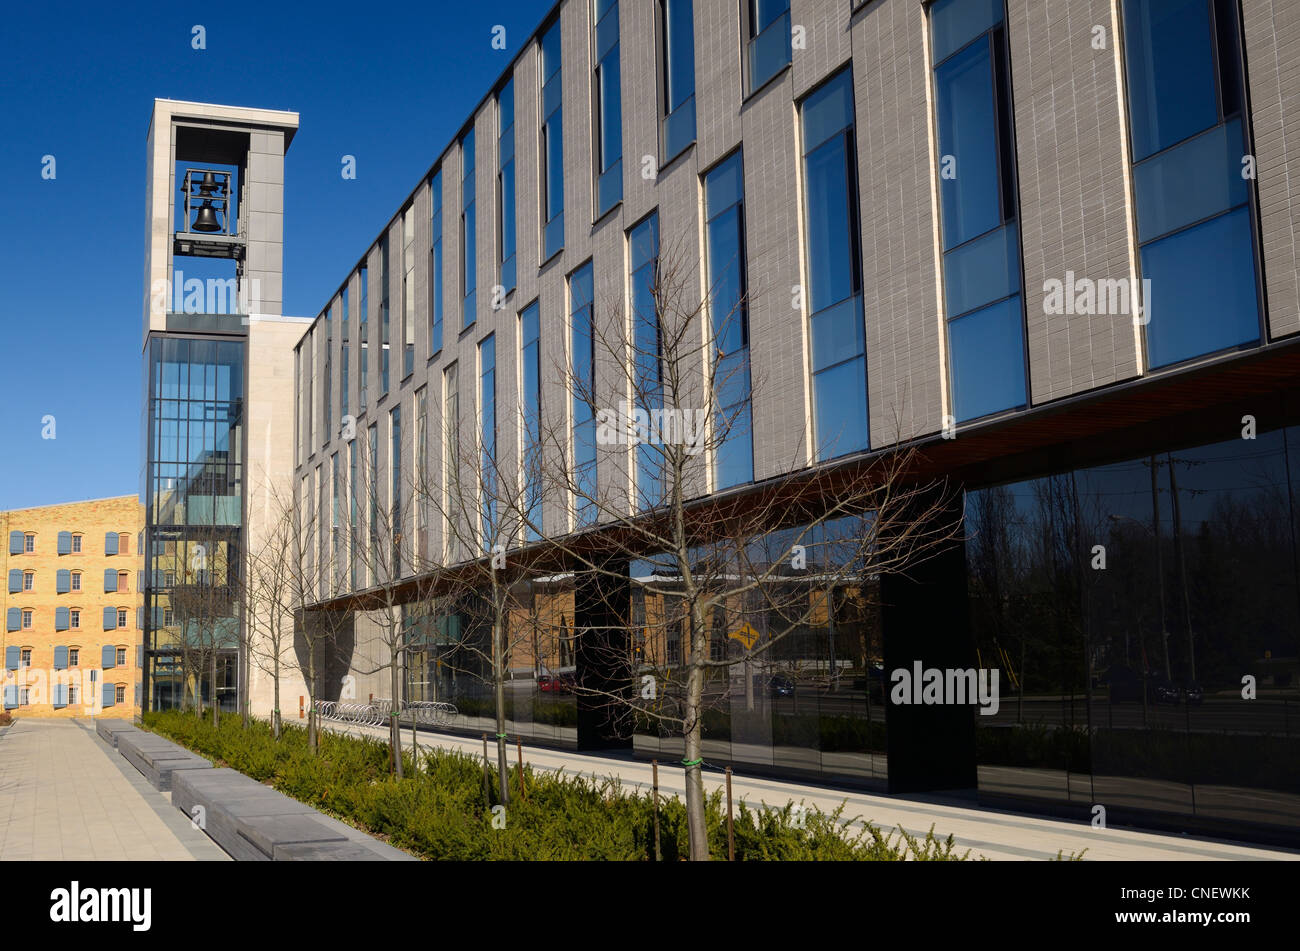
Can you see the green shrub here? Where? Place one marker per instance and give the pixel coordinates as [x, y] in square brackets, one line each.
[440, 811]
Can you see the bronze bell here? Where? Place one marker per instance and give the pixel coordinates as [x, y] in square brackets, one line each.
[206, 220]
[208, 187]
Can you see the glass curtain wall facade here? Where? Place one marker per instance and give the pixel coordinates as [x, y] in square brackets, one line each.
[193, 493]
[1124, 684]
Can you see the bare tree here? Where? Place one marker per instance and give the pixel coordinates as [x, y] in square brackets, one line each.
[284, 633]
[391, 572]
[658, 422]
[477, 509]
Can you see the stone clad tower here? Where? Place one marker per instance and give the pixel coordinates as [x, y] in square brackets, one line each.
[218, 388]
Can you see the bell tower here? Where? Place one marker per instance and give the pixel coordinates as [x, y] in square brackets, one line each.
[218, 388]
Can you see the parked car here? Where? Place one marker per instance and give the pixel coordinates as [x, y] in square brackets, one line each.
[556, 683]
[781, 685]
[1193, 692]
[1164, 690]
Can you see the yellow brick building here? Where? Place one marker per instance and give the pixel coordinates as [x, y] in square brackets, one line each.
[72, 635]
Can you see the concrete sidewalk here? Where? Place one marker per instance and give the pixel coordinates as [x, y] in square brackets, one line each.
[987, 833]
[66, 795]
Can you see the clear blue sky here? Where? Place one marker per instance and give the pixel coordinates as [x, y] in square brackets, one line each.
[388, 83]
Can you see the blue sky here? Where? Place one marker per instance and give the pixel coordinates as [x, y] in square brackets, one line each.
[388, 83]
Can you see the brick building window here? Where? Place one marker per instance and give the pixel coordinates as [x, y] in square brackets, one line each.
[74, 654]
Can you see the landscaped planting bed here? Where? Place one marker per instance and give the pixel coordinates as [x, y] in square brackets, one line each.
[440, 811]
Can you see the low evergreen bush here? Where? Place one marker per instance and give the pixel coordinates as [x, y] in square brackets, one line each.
[439, 811]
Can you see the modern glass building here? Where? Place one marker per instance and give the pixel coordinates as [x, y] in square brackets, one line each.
[1062, 270]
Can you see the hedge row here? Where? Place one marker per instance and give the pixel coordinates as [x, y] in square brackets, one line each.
[441, 811]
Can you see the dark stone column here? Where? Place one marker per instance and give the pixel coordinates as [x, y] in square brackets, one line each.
[924, 617]
[602, 608]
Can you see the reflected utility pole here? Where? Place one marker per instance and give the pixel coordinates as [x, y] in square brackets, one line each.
[1182, 568]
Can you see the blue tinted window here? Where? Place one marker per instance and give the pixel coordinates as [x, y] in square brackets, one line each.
[834, 270]
[609, 114]
[978, 208]
[679, 75]
[769, 44]
[530, 402]
[734, 460]
[468, 233]
[506, 184]
[1169, 55]
[583, 367]
[383, 313]
[679, 58]
[954, 23]
[364, 332]
[1191, 316]
[1193, 205]
[1190, 182]
[982, 271]
[765, 12]
[435, 263]
[550, 52]
[552, 145]
[647, 384]
[725, 257]
[968, 133]
[986, 349]
[488, 436]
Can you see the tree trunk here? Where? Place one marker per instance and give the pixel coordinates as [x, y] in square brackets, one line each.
[695, 816]
[216, 707]
[394, 725]
[311, 697]
[275, 686]
[498, 673]
[695, 822]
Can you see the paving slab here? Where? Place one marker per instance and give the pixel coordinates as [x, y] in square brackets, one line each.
[65, 794]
